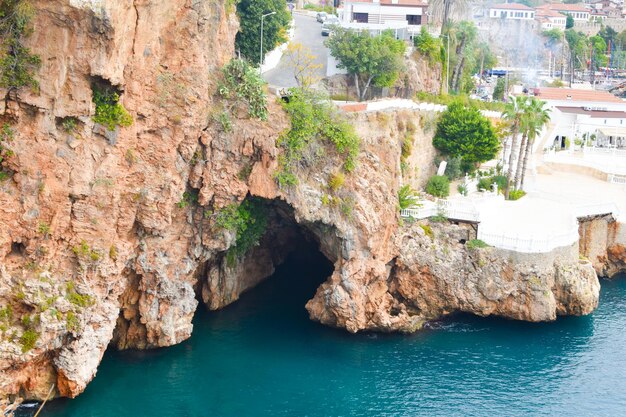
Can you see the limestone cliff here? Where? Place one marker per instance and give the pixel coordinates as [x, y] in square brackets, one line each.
[603, 242]
[95, 229]
[437, 274]
[110, 237]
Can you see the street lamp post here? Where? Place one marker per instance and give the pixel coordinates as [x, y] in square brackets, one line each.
[261, 57]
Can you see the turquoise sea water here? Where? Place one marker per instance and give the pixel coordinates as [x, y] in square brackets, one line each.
[263, 357]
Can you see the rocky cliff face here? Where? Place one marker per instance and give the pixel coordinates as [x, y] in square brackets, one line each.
[96, 232]
[603, 242]
[109, 238]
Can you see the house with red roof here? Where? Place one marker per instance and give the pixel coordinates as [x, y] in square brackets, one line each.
[549, 19]
[577, 11]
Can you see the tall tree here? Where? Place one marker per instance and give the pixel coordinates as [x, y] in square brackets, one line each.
[608, 34]
[463, 132]
[513, 113]
[466, 34]
[17, 64]
[369, 59]
[526, 124]
[540, 116]
[443, 10]
[248, 39]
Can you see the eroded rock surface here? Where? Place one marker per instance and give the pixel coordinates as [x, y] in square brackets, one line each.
[436, 274]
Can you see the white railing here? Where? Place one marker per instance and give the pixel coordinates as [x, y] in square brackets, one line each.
[596, 210]
[401, 103]
[530, 244]
[457, 210]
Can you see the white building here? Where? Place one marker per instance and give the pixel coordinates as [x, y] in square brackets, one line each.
[549, 19]
[607, 128]
[578, 114]
[513, 11]
[381, 13]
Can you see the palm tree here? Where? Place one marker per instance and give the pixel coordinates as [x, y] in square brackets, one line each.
[513, 113]
[526, 124]
[540, 116]
[443, 10]
[466, 34]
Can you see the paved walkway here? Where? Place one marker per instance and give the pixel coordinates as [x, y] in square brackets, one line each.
[308, 32]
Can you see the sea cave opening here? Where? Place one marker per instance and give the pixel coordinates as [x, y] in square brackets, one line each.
[299, 256]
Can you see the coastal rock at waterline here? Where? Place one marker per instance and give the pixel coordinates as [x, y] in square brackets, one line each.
[615, 260]
[436, 274]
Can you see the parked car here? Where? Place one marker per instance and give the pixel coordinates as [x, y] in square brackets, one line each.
[327, 26]
[321, 16]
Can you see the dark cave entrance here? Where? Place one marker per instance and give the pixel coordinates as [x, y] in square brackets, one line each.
[300, 255]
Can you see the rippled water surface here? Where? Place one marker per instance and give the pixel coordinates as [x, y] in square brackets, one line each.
[263, 357]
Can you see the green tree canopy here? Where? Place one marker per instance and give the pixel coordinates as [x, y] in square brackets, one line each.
[248, 39]
[427, 45]
[608, 34]
[369, 59]
[553, 36]
[464, 132]
[17, 63]
[498, 91]
[569, 22]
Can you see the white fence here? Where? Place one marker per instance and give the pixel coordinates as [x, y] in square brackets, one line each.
[399, 103]
[457, 210]
[530, 244]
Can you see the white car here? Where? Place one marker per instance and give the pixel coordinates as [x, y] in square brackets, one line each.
[327, 26]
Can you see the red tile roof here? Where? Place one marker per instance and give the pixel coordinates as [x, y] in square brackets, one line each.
[560, 7]
[550, 93]
[548, 13]
[511, 6]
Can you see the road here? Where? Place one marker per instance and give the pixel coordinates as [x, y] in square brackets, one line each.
[308, 32]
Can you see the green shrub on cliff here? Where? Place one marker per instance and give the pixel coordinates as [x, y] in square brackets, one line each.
[428, 46]
[28, 340]
[109, 111]
[248, 220]
[438, 186]
[17, 64]
[407, 197]
[476, 244]
[314, 123]
[242, 84]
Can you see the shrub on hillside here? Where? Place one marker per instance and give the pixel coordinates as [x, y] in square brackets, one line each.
[438, 186]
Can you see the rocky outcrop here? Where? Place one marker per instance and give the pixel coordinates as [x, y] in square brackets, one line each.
[437, 274]
[602, 241]
[104, 234]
